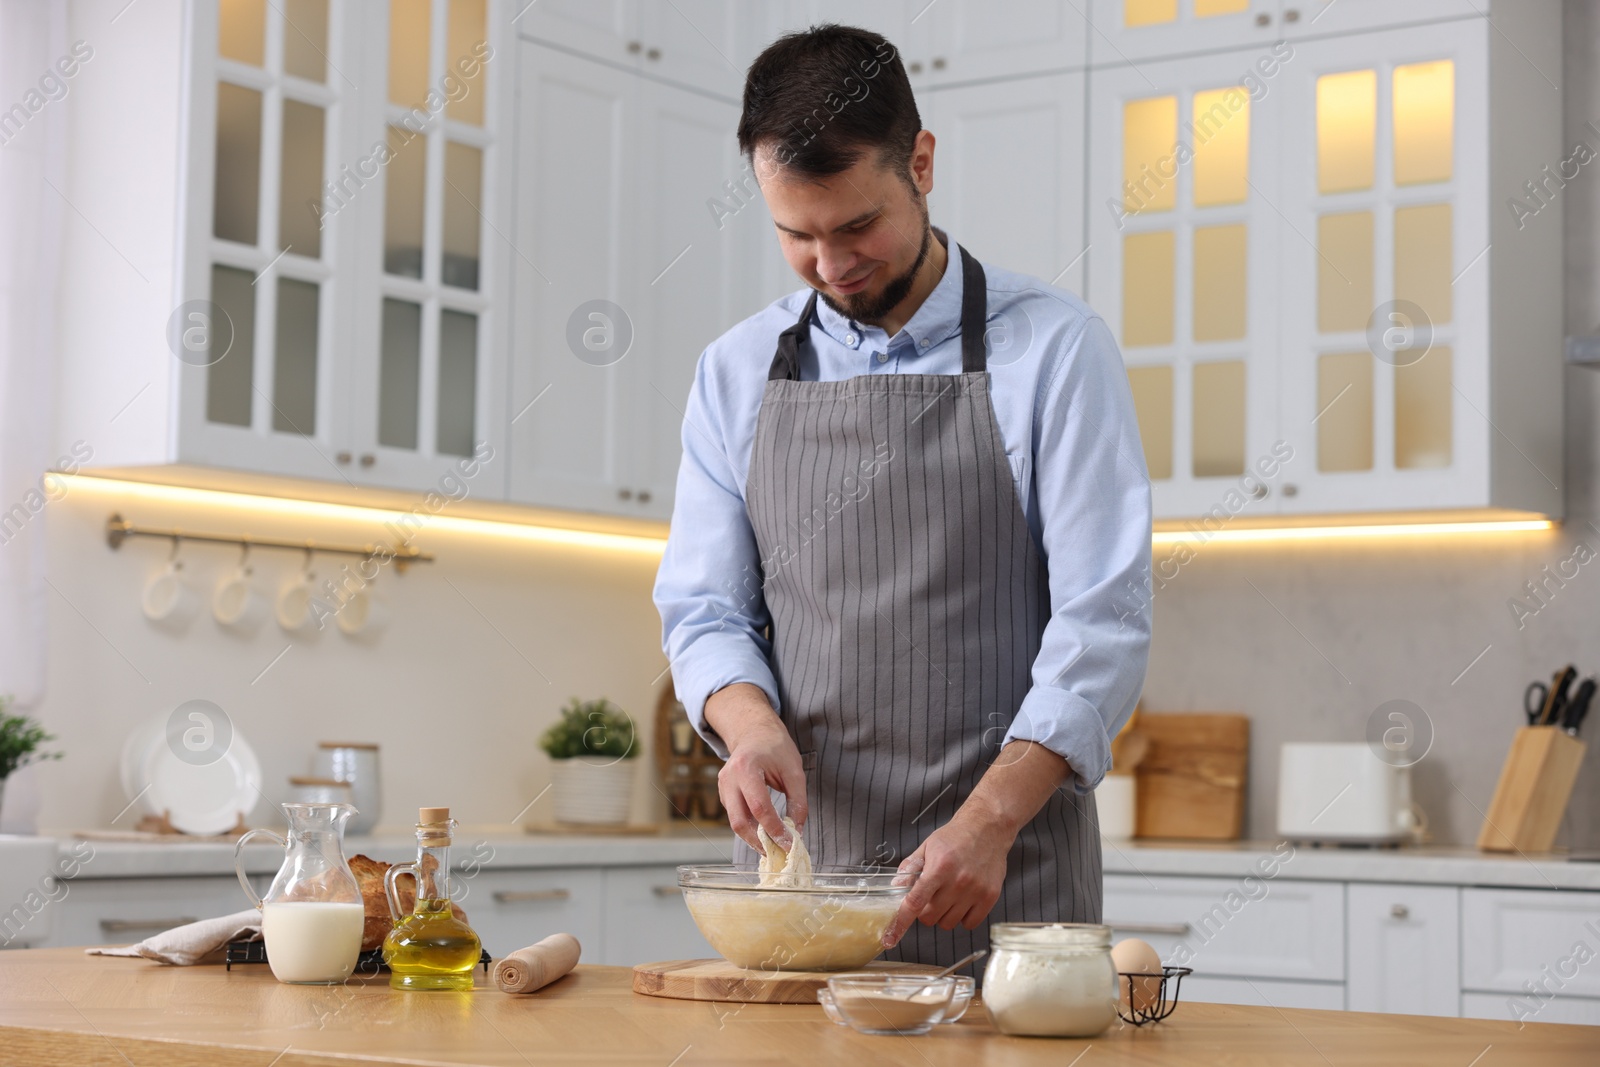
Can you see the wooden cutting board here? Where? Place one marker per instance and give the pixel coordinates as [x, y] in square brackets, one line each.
[1192, 779]
[720, 980]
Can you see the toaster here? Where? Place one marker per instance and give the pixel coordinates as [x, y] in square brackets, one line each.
[1342, 793]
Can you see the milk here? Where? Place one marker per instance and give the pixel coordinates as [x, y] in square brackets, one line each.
[312, 942]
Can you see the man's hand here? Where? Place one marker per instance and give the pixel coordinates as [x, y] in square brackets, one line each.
[963, 863]
[962, 866]
[760, 754]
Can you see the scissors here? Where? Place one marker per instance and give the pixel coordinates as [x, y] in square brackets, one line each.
[1543, 703]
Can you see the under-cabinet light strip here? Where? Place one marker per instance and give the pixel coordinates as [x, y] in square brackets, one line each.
[639, 543]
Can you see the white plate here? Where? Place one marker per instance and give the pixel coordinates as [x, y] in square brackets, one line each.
[135, 752]
[197, 799]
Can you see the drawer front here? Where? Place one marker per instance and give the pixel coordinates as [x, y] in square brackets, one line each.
[120, 911]
[646, 919]
[1262, 992]
[1405, 948]
[1585, 1011]
[1514, 937]
[513, 909]
[1225, 926]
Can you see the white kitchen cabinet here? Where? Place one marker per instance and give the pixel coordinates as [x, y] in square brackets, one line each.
[1131, 30]
[1517, 941]
[1008, 175]
[1367, 295]
[1580, 1011]
[511, 909]
[1182, 262]
[1262, 992]
[1405, 949]
[120, 911]
[1291, 929]
[704, 44]
[646, 920]
[598, 389]
[326, 303]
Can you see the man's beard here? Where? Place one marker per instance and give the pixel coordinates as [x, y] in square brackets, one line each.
[870, 308]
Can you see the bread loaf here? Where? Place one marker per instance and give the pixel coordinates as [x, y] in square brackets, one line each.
[375, 903]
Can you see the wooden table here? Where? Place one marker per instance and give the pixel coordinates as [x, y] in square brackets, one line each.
[58, 1006]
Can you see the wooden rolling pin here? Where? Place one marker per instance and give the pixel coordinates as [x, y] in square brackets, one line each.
[536, 966]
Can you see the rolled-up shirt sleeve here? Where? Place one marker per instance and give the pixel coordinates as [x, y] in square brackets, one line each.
[1093, 505]
[708, 589]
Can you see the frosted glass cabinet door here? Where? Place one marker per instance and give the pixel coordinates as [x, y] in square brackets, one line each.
[1127, 31]
[1182, 255]
[1383, 293]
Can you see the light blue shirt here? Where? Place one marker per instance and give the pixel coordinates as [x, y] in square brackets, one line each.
[1064, 408]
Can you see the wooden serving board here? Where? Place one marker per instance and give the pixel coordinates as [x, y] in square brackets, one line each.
[720, 980]
[1192, 779]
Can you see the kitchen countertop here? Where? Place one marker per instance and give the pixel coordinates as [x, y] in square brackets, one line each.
[1425, 865]
[508, 848]
[494, 848]
[61, 1006]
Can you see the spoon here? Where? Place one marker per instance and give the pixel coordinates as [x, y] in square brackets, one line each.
[948, 971]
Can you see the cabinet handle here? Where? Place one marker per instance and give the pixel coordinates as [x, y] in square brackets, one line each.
[122, 926]
[644, 496]
[1291, 15]
[1399, 911]
[624, 494]
[342, 457]
[528, 896]
[938, 62]
[916, 68]
[1263, 19]
[1290, 489]
[654, 53]
[634, 47]
[666, 890]
[1260, 492]
[368, 459]
[1170, 929]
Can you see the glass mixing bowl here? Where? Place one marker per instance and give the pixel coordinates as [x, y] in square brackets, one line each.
[835, 924]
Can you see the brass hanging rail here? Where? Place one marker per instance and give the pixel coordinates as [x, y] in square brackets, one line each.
[119, 530]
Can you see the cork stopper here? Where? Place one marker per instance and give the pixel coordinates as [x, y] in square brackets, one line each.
[433, 826]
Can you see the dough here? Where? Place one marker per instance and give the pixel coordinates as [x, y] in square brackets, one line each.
[779, 868]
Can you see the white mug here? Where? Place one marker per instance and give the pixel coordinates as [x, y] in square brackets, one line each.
[365, 614]
[236, 603]
[168, 597]
[1116, 800]
[298, 609]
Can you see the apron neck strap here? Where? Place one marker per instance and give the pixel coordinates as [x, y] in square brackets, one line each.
[974, 309]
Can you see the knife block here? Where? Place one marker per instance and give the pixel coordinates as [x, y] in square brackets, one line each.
[1533, 791]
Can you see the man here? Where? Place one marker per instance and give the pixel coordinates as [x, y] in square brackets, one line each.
[905, 581]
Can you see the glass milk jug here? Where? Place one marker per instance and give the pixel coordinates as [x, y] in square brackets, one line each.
[311, 917]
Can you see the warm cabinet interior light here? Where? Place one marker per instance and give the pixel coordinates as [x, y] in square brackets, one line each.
[315, 509]
[1316, 533]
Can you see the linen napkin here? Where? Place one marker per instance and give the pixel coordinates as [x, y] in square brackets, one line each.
[191, 943]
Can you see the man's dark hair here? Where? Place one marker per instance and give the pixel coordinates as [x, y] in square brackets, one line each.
[818, 99]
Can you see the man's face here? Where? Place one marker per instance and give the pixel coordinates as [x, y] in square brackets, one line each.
[857, 237]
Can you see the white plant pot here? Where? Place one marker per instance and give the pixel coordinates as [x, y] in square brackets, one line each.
[593, 789]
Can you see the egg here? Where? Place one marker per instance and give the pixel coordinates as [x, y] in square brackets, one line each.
[1133, 956]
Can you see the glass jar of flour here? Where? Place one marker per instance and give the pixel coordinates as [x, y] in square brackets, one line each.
[1050, 979]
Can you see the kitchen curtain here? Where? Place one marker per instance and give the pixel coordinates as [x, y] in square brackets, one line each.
[32, 158]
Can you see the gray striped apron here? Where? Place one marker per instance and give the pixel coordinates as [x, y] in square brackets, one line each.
[907, 600]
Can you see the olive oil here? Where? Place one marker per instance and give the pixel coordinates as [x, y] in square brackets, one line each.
[429, 948]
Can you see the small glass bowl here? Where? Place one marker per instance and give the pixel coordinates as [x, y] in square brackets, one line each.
[904, 1004]
[960, 1001]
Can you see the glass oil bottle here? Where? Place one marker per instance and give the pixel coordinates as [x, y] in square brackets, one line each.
[429, 948]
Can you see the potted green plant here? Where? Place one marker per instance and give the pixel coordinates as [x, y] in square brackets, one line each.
[20, 741]
[592, 744]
